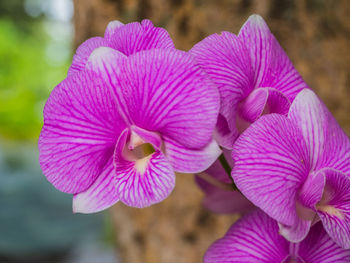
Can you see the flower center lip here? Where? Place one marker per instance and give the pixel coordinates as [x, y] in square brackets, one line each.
[325, 206]
[142, 151]
[140, 146]
[331, 210]
[138, 152]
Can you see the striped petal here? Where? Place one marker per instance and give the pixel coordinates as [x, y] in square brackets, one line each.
[318, 247]
[254, 238]
[186, 160]
[337, 148]
[103, 60]
[83, 52]
[134, 37]
[277, 102]
[226, 60]
[336, 152]
[307, 113]
[144, 181]
[328, 144]
[334, 208]
[253, 106]
[164, 91]
[270, 63]
[100, 195]
[127, 39]
[296, 232]
[312, 190]
[308, 196]
[111, 29]
[271, 165]
[261, 101]
[81, 126]
[225, 132]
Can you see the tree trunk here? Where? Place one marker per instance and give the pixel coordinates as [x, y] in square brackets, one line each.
[315, 35]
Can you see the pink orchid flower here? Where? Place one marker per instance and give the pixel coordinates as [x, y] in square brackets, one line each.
[253, 74]
[117, 129]
[297, 169]
[255, 238]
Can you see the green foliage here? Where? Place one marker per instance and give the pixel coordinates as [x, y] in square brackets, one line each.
[26, 79]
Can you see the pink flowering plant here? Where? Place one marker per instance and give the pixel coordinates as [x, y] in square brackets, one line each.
[255, 238]
[133, 110]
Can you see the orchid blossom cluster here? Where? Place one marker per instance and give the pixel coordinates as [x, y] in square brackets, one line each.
[133, 110]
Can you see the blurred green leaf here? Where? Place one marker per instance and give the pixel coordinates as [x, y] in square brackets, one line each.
[26, 79]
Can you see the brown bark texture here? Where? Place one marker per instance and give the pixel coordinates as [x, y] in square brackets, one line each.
[315, 35]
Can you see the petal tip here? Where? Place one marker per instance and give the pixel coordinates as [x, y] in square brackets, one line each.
[83, 205]
[112, 28]
[103, 59]
[146, 22]
[256, 20]
[79, 206]
[99, 53]
[114, 24]
[307, 93]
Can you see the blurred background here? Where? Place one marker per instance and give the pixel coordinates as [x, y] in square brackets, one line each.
[36, 221]
[37, 41]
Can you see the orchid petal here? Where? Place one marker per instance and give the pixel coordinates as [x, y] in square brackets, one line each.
[225, 59]
[227, 202]
[83, 52]
[186, 160]
[164, 91]
[308, 196]
[337, 146]
[317, 247]
[334, 208]
[143, 182]
[111, 29]
[329, 145]
[277, 102]
[254, 238]
[306, 112]
[262, 101]
[100, 195]
[127, 39]
[103, 60]
[253, 106]
[297, 232]
[270, 166]
[134, 37]
[270, 63]
[147, 136]
[81, 123]
[311, 191]
[226, 133]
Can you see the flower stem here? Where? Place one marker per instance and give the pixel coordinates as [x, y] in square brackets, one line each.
[228, 169]
[225, 164]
